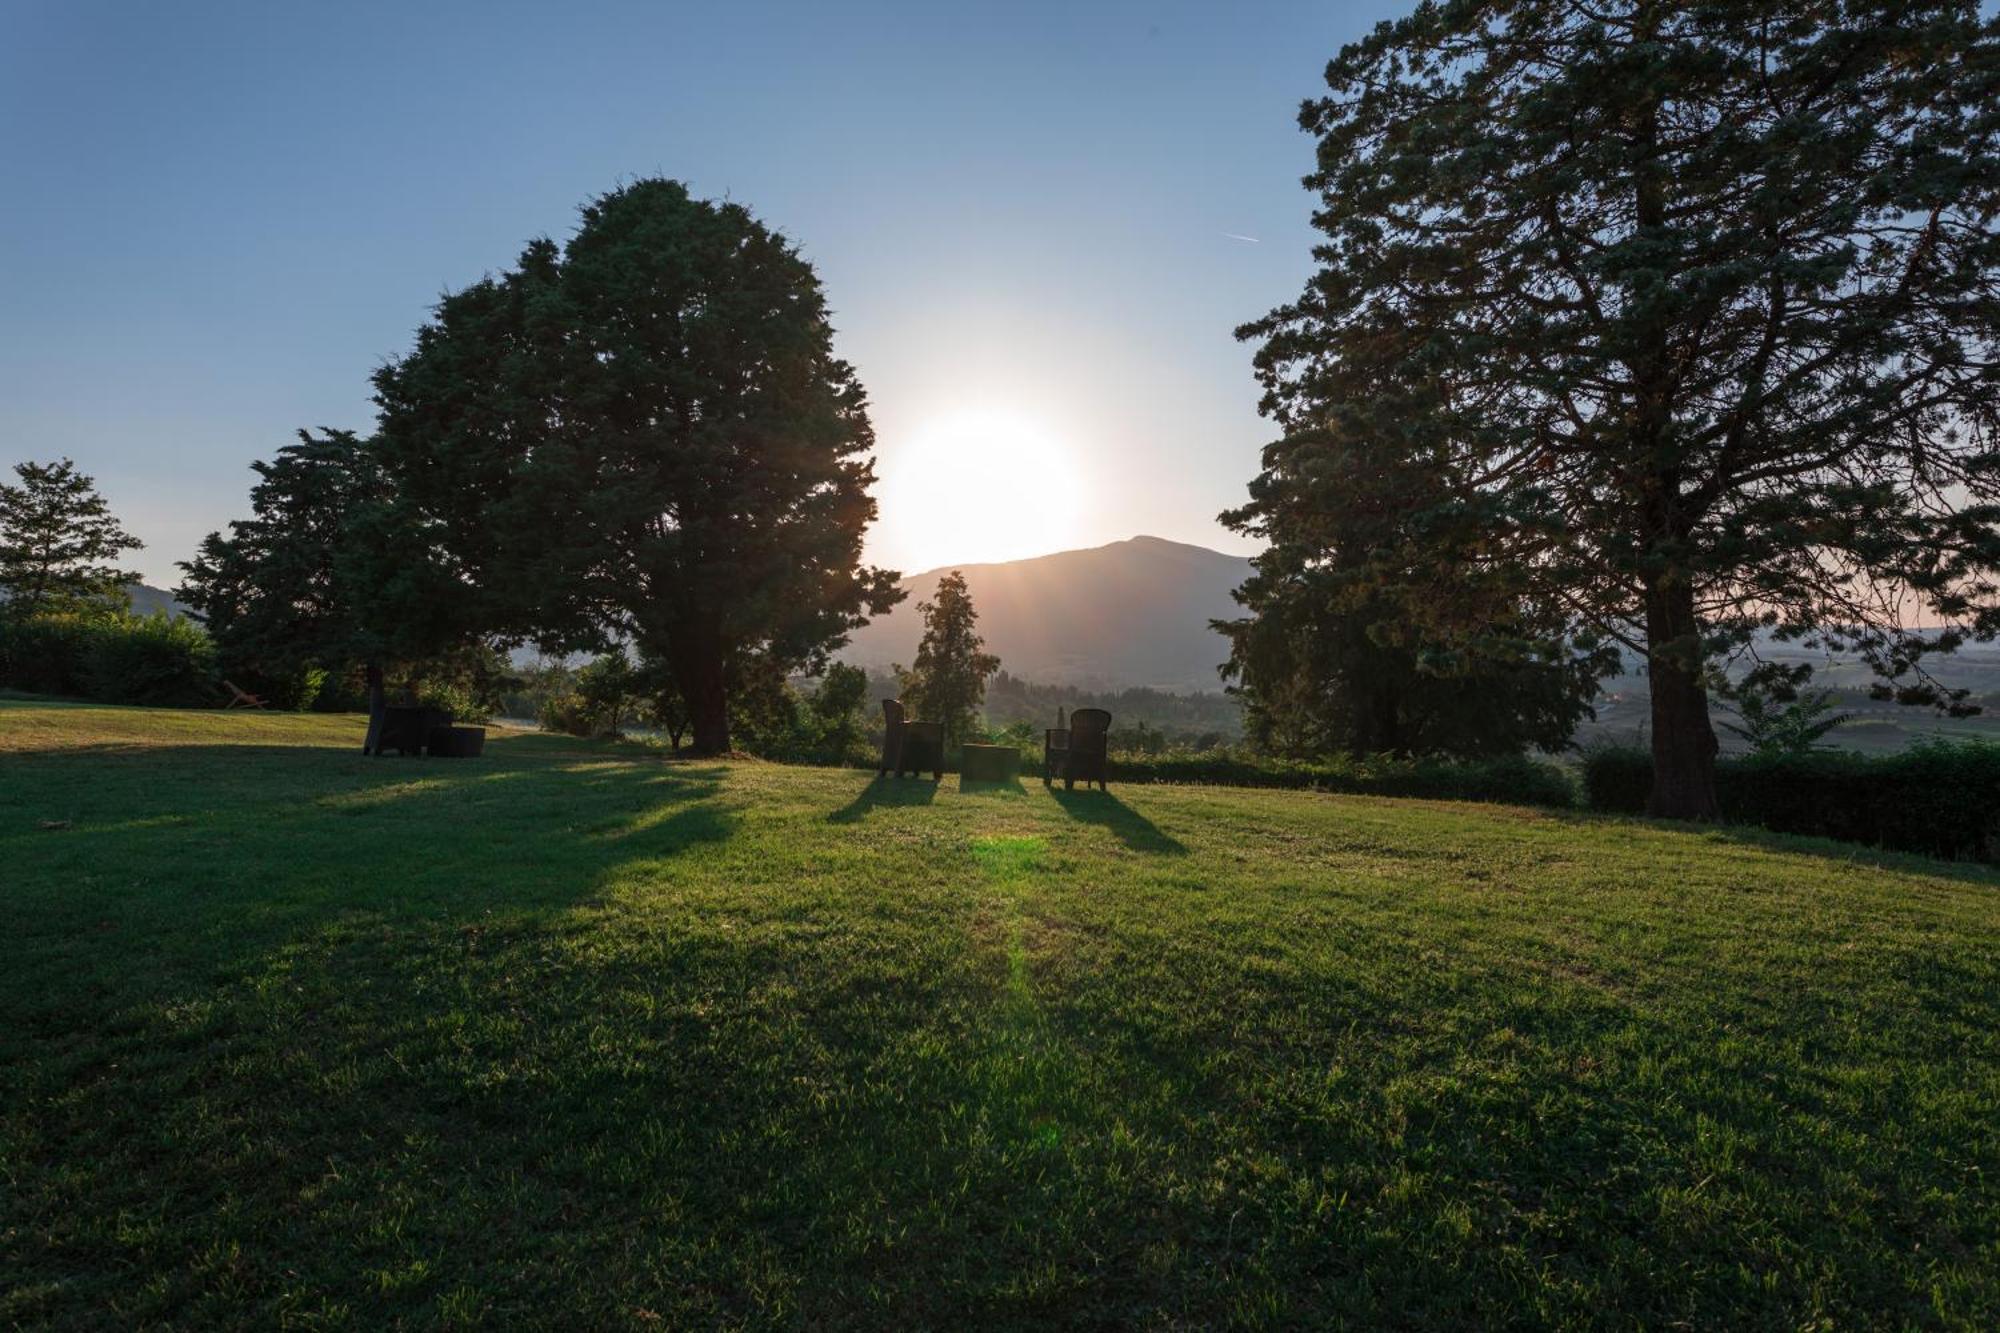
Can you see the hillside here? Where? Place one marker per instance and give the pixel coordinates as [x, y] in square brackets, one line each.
[630, 1043]
[1134, 612]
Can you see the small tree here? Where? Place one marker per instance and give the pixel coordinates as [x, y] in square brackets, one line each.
[278, 592]
[608, 687]
[659, 699]
[947, 683]
[835, 710]
[1772, 723]
[58, 541]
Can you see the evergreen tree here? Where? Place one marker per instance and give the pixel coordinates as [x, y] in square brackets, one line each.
[947, 682]
[57, 543]
[1680, 318]
[278, 592]
[643, 435]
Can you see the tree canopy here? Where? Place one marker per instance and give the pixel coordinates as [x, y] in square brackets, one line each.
[644, 435]
[1679, 318]
[59, 543]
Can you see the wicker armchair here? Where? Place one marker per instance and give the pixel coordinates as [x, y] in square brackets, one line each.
[1078, 750]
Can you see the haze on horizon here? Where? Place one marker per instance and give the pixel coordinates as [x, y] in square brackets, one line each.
[1037, 227]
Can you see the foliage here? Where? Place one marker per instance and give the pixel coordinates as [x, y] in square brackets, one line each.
[1310, 1061]
[158, 659]
[283, 594]
[1200, 719]
[947, 681]
[1770, 724]
[112, 657]
[643, 435]
[1939, 798]
[58, 542]
[1325, 669]
[607, 688]
[1675, 319]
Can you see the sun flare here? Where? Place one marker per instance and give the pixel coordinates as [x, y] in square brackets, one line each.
[977, 486]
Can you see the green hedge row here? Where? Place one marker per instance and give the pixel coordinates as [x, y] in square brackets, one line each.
[1940, 799]
[120, 659]
[1513, 781]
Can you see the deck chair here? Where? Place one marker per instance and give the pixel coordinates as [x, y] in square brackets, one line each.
[1078, 750]
[241, 698]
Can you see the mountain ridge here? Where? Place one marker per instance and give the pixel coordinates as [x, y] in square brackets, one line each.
[1134, 612]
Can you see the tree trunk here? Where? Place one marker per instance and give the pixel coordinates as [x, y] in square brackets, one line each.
[697, 658]
[1684, 742]
[377, 703]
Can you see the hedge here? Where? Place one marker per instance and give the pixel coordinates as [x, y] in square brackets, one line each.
[1939, 798]
[1514, 780]
[113, 658]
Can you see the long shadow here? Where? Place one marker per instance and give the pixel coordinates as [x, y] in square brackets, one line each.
[1133, 829]
[1802, 844]
[217, 854]
[881, 791]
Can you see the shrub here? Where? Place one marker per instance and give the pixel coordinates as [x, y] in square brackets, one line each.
[111, 657]
[1617, 779]
[1513, 779]
[154, 659]
[48, 654]
[1939, 798]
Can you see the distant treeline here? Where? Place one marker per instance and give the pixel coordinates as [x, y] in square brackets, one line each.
[1201, 720]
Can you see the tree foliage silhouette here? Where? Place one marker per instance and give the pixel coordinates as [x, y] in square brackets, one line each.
[59, 543]
[644, 435]
[947, 681]
[1686, 317]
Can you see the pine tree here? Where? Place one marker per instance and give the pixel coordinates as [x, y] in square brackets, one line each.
[947, 682]
[1685, 318]
[58, 540]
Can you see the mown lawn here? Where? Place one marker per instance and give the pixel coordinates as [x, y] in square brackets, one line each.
[576, 1037]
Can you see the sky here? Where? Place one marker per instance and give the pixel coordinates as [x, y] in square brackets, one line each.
[1037, 225]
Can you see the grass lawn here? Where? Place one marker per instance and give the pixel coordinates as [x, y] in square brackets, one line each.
[576, 1037]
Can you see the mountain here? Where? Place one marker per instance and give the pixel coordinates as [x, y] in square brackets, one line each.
[1135, 612]
[147, 599]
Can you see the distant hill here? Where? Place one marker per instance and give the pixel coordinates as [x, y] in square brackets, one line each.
[1135, 612]
[146, 600]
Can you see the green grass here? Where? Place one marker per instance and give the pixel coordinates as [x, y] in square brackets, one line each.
[575, 1037]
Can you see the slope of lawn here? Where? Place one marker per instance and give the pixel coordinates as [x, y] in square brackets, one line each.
[578, 1037]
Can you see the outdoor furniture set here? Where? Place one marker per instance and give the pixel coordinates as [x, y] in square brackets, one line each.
[1073, 753]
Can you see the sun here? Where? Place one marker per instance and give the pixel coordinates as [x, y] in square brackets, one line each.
[977, 486]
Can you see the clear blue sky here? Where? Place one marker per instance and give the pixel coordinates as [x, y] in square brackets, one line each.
[219, 219]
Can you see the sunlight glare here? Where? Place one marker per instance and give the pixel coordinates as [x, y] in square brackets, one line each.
[977, 486]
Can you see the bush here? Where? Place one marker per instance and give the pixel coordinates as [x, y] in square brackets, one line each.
[1938, 798]
[1513, 780]
[110, 657]
[156, 659]
[48, 654]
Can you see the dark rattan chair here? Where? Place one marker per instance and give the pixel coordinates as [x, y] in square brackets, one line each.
[892, 737]
[910, 747]
[1077, 752]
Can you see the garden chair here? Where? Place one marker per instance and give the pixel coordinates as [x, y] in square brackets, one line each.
[910, 747]
[241, 698]
[1078, 750]
[892, 737]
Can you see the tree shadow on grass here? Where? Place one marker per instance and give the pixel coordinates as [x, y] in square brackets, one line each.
[192, 846]
[1133, 829]
[882, 791]
[1854, 854]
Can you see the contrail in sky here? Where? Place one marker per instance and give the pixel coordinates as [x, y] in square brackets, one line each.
[1234, 236]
